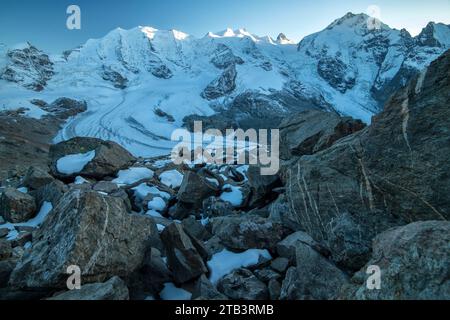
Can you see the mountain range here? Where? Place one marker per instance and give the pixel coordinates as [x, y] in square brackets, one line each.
[143, 83]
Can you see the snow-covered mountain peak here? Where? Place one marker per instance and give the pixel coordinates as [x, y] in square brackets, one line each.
[435, 35]
[282, 39]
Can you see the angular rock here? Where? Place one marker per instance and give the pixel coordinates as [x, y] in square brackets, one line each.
[89, 230]
[16, 206]
[247, 232]
[195, 188]
[213, 207]
[288, 246]
[280, 264]
[274, 288]
[314, 278]
[266, 274]
[113, 289]
[279, 211]
[105, 186]
[36, 178]
[196, 228]
[414, 264]
[312, 131]
[204, 290]
[241, 284]
[261, 186]
[182, 256]
[109, 157]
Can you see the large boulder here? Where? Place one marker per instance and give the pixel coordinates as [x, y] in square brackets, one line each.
[195, 188]
[312, 131]
[91, 231]
[36, 178]
[205, 290]
[314, 278]
[288, 246]
[113, 289]
[151, 277]
[16, 206]
[183, 256]
[242, 284]
[414, 261]
[108, 160]
[389, 174]
[261, 186]
[242, 232]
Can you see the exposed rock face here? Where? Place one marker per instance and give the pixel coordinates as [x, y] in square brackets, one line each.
[29, 67]
[338, 75]
[314, 278]
[312, 131]
[223, 57]
[243, 285]
[118, 80]
[113, 289]
[109, 157]
[381, 176]
[184, 259]
[414, 263]
[16, 206]
[242, 232]
[223, 85]
[89, 230]
[62, 107]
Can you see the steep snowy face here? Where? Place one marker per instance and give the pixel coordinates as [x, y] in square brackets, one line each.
[359, 62]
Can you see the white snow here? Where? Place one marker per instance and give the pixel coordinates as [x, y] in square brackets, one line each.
[23, 189]
[234, 197]
[157, 204]
[171, 292]
[160, 227]
[74, 163]
[34, 223]
[172, 179]
[225, 262]
[144, 190]
[80, 180]
[133, 175]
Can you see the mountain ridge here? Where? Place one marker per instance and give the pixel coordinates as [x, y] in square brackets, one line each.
[126, 76]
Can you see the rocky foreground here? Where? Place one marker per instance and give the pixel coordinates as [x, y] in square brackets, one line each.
[347, 197]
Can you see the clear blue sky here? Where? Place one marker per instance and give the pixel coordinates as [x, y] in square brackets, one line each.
[43, 22]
